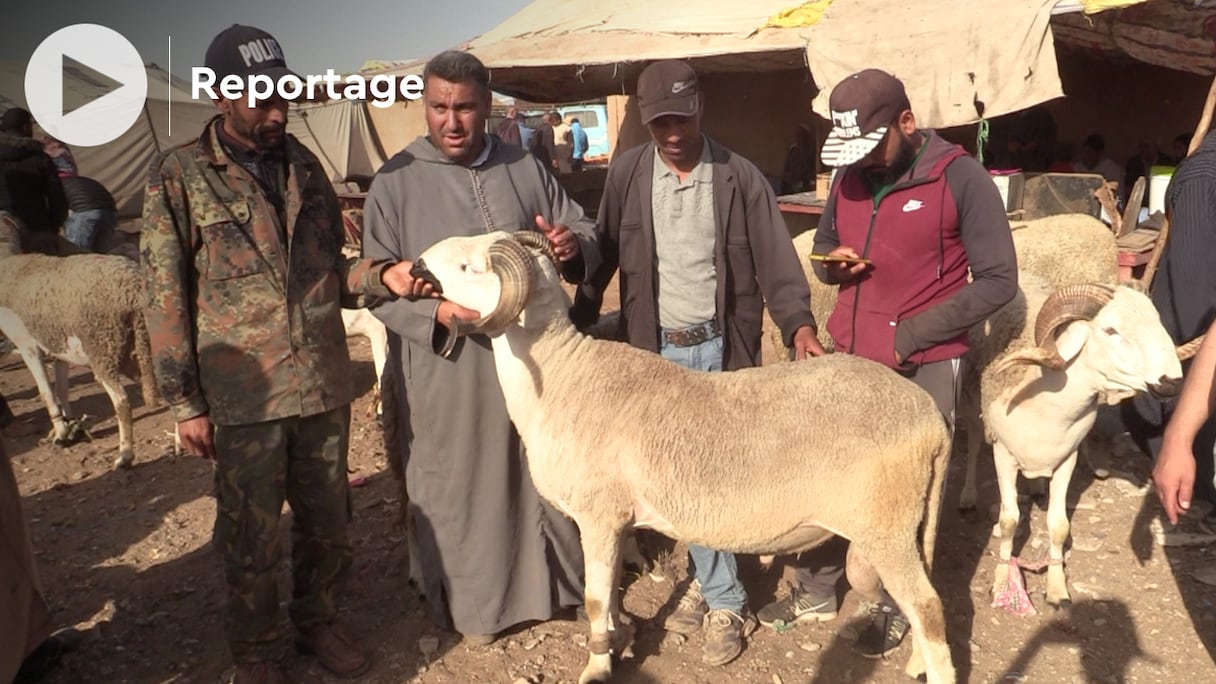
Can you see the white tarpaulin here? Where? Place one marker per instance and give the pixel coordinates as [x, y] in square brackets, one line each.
[952, 55]
[341, 135]
[122, 164]
[960, 61]
[559, 50]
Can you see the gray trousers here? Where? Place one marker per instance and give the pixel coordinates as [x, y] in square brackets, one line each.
[820, 569]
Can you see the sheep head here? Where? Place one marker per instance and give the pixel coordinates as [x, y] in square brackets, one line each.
[494, 272]
[1119, 330]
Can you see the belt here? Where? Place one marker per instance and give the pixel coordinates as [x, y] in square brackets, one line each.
[693, 335]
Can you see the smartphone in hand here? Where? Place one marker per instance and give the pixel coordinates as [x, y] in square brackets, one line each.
[840, 258]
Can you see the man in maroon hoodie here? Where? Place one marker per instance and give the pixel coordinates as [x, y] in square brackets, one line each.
[923, 213]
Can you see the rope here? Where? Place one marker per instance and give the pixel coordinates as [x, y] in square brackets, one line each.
[1036, 566]
[981, 139]
[1189, 349]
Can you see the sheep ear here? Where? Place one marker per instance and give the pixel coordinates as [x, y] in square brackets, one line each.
[1072, 340]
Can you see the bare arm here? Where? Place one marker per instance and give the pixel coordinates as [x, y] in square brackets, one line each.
[1174, 474]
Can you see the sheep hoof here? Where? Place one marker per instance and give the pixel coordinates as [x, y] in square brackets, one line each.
[126, 458]
[1060, 605]
[599, 669]
[74, 431]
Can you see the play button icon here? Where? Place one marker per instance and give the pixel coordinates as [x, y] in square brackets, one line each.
[85, 84]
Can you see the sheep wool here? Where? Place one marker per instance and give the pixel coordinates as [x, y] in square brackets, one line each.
[91, 304]
[1067, 249]
[617, 437]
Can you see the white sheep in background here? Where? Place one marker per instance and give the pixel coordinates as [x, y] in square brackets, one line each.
[1041, 365]
[361, 323]
[751, 461]
[85, 309]
[1067, 249]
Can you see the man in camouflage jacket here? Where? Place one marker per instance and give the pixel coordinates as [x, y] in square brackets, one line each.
[245, 278]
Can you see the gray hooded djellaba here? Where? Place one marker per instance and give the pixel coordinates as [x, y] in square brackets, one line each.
[493, 553]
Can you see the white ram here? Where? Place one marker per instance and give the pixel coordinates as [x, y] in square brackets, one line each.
[617, 437]
[1062, 250]
[1040, 366]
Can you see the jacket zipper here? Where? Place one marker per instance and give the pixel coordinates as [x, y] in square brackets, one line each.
[857, 290]
[486, 218]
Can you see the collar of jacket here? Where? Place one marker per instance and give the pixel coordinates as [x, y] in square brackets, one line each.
[20, 142]
[933, 157]
[211, 151]
[723, 181]
[724, 175]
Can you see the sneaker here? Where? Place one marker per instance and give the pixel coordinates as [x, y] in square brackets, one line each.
[725, 631]
[887, 628]
[799, 606]
[334, 650]
[690, 612]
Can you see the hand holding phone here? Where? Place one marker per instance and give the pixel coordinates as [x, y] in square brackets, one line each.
[839, 258]
[843, 264]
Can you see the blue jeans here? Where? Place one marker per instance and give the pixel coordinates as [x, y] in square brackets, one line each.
[717, 571]
[90, 229]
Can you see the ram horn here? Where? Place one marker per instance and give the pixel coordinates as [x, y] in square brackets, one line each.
[534, 240]
[1188, 350]
[511, 262]
[1068, 304]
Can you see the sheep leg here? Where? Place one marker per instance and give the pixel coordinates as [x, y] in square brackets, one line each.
[122, 413]
[975, 437]
[59, 427]
[861, 575]
[1007, 526]
[1058, 528]
[62, 387]
[902, 572]
[378, 337]
[601, 548]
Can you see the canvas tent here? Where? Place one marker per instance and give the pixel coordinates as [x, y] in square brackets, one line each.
[586, 49]
[961, 61]
[340, 133]
[581, 49]
[1176, 34]
[122, 164]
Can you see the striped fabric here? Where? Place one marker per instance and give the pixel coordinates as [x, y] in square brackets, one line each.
[1185, 290]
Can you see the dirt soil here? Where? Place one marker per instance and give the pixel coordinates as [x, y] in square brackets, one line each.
[127, 555]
